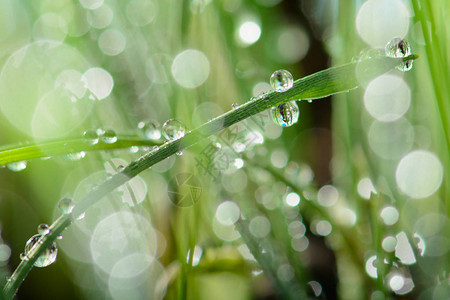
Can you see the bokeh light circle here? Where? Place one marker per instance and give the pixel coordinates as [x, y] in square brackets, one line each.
[378, 21]
[419, 174]
[387, 98]
[43, 109]
[190, 68]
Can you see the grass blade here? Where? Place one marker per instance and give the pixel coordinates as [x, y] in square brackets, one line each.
[315, 86]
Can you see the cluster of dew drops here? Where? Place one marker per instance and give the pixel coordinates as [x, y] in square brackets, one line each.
[284, 115]
[65, 205]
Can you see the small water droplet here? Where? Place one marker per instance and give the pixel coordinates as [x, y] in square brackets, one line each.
[217, 145]
[100, 131]
[43, 229]
[133, 149]
[66, 205]
[309, 100]
[173, 130]
[285, 114]
[90, 137]
[180, 153]
[281, 80]
[150, 130]
[109, 136]
[23, 256]
[398, 47]
[17, 166]
[234, 106]
[47, 257]
[75, 156]
[59, 237]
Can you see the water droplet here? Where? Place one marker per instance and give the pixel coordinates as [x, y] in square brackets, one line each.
[65, 206]
[309, 100]
[90, 137]
[173, 129]
[47, 257]
[150, 130]
[109, 136]
[59, 237]
[281, 80]
[43, 229]
[17, 166]
[398, 47]
[217, 145]
[23, 256]
[180, 153]
[285, 114]
[234, 106]
[75, 156]
[100, 131]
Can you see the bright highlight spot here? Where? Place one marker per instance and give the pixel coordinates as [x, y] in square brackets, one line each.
[387, 98]
[365, 188]
[249, 33]
[378, 21]
[292, 199]
[327, 196]
[371, 270]
[388, 244]
[228, 213]
[292, 45]
[99, 82]
[403, 250]
[112, 42]
[390, 215]
[190, 68]
[419, 174]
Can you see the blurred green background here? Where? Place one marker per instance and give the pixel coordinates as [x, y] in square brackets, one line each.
[352, 202]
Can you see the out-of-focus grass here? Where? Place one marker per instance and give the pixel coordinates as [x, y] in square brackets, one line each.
[322, 246]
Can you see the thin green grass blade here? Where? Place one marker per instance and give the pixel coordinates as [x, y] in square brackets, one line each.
[62, 147]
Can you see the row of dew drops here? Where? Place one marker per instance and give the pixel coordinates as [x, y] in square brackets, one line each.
[285, 115]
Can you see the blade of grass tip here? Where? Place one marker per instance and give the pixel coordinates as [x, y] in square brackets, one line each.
[318, 85]
[62, 147]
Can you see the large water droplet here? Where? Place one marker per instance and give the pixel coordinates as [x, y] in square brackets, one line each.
[47, 257]
[173, 129]
[109, 136]
[66, 205]
[150, 130]
[90, 137]
[281, 80]
[285, 114]
[43, 229]
[17, 166]
[398, 47]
